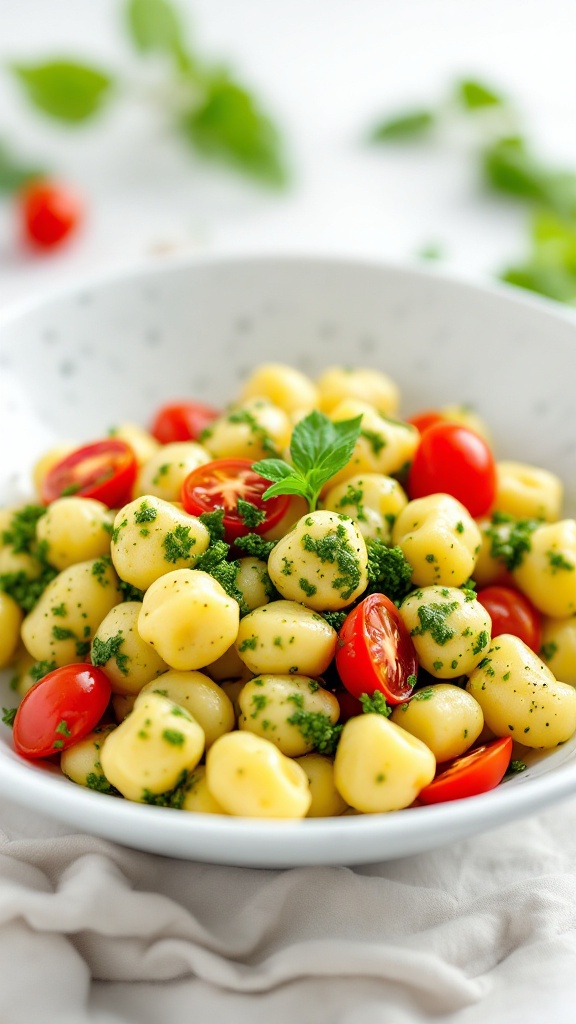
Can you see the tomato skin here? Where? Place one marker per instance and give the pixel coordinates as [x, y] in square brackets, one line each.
[451, 459]
[512, 612]
[220, 484]
[375, 651]
[105, 470]
[182, 421]
[49, 213]
[476, 772]
[60, 709]
[423, 420]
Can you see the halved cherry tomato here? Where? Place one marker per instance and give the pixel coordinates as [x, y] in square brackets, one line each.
[477, 772]
[223, 484]
[452, 459]
[182, 421]
[105, 470]
[512, 612]
[423, 420]
[375, 651]
[60, 710]
[49, 213]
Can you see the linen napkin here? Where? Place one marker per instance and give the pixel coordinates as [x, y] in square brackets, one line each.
[94, 933]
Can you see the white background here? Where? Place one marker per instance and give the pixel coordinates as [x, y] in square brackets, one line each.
[327, 69]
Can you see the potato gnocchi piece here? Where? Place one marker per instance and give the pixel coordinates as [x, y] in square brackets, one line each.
[61, 626]
[445, 717]
[119, 649]
[255, 429]
[81, 762]
[23, 668]
[379, 766]
[286, 637]
[166, 470]
[337, 384]
[251, 778]
[520, 697]
[284, 386]
[321, 563]
[326, 800]
[152, 538]
[148, 752]
[123, 704]
[228, 666]
[11, 617]
[490, 569]
[384, 446]
[293, 712]
[253, 582]
[197, 796]
[547, 573]
[558, 647]
[373, 500]
[203, 699]
[528, 492]
[188, 618]
[439, 539]
[75, 530]
[142, 442]
[450, 629]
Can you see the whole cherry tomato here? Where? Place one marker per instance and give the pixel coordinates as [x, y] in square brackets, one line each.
[375, 651]
[452, 459]
[182, 421]
[512, 612]
[60, 710]
[232, 485]
[105, 470]
[473, 773]
[49, 213]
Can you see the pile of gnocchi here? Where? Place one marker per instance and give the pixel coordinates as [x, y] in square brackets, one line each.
[301, 606]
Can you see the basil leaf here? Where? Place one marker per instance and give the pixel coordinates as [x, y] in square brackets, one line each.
[411, 125]
[555, 282]
[474, 95]
[291, 485]
[154, 26]
[273, 469]
[14, 174]
[229, 125]
[63, 89]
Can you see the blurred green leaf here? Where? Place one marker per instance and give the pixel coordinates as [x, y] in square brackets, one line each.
[14, 173]
[553, 281]
[433, 251]
[413, 124]
[474, 95]
[229, 125]
[154, 25]
[64, 89]
[511, 168]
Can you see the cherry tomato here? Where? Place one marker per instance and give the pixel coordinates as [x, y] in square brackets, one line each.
[60, 710]
[452, 459]
[477, 772]
[105, 470]
[375, 651]
[223, 484]
[49, 213]
[512, 612]
[182, 421]
[423, 420]
[350, 707]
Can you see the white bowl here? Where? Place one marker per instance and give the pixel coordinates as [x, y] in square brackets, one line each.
[75, 364]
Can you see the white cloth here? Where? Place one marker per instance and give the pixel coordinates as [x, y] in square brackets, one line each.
[93, 933]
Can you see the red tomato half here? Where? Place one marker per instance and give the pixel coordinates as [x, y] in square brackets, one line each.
[223, 484]
[182, 421]
[105, 470]
[60, 710]
[477, 772]
[375, 651]
[452, 459]
[512, 612]
[49, 213]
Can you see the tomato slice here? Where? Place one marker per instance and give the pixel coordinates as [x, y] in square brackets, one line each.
[105, 470]
[232, 485]
[375, 651]
[512, 612]
[182, 421]
[60, 709]
[477, 772]
[451, 459]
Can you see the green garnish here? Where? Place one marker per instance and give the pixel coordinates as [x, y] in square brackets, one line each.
[375, 704]
[178, 544]
[249, 514]
[104, 650]
[254, 545]
[319, 448]
[389, 572]
[317, 730]
[8, 716]
[433, 620]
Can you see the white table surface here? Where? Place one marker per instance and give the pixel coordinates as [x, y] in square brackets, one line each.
[328, 69]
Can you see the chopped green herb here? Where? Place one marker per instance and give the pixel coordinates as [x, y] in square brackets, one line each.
[60, 633]
[249, 644]
[548, 650]
[178, 544]
[145, 514]
[510, 538]
[557, 561]
[104, 650]
[8, 716]
[306, 587]
[389, 572]
[375, 704]
[255, 546]
[174, 737]
[425, 694]
[376, 441]
[317, 730]
[21, 533]
[249, 514]
[59, 609]
[335, 548]
[433, 620]
[481, 642]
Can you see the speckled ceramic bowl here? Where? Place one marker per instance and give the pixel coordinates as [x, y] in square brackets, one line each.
[76, 363]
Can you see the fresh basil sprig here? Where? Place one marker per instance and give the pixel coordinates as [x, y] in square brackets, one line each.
[319, 448]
